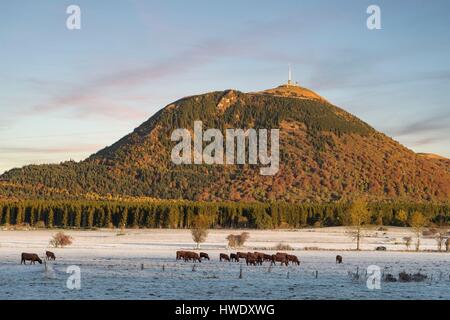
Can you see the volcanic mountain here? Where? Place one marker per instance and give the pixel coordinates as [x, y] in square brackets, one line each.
[326, 154]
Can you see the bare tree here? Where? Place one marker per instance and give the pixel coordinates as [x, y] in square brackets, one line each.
[441, 237]
[358, 219]
[408, 241]
[199, 230]
[418, 223]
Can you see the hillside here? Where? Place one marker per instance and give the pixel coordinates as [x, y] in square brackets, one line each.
[326, 154]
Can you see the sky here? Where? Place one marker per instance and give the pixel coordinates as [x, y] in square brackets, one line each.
[65, 94]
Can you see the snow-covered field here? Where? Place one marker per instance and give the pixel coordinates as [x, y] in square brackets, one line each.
[111, 266]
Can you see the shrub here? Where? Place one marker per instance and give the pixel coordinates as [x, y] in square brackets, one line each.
[283, 247]
[61, 240]
[237, 240]
[317, 224]
[40, 224]
[312, 248]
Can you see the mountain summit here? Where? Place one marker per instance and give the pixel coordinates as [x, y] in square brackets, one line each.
[326, 154]
[293, 91]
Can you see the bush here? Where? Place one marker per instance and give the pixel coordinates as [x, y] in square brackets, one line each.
[40, 224]
[283, 247]
[312, 248]
[61, 240]
[237, 240]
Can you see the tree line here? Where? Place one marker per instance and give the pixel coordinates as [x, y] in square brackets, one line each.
[182, 214]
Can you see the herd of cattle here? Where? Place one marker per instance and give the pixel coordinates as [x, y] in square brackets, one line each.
[251, 258]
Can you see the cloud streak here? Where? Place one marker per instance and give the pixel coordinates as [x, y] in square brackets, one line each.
[93, 98]
[52, 150]
[438, 122]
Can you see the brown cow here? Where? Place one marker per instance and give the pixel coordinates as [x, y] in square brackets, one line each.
[293, 259]
[224, 256]
[338, 259]
[204, 255]
[192, 256]
[242, 255]
[281, 254]
[32, 257]
[251, 260]
[267, 257]
[180, 255]
[279, 258]
[234, 257]
[259, 257]
[50, 255]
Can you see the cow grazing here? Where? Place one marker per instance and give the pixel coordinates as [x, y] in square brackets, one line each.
[259, 255]
[224, 256]
[338, 259]
[204, 255]
[251, 260]
[281, 254]
[242, 255]
[188, 255]
[50, 255]
[234, 257]
[181, 255]
[293, 259]
[267, 257]
[32, 257]
[280, 258]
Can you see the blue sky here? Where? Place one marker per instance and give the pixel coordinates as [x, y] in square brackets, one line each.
[65, 94]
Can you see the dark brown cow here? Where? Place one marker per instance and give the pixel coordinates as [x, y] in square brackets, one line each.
[181, 255]
[251, 260]
[234, 257]
[188, 255]
[242, 255]
[279, 258]
[293, 259]
[281, 254]
[204, 255]
[32, 257]
[50, 255]
[267, 257]
[224, 256]
[259, 257]
[338, 259]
